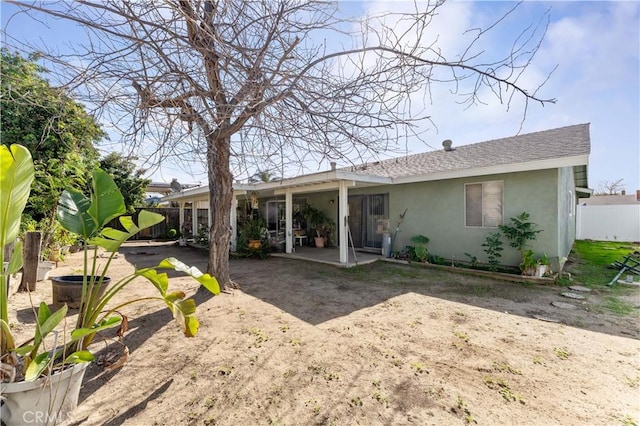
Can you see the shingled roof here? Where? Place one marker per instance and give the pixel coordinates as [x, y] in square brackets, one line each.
[554, 144]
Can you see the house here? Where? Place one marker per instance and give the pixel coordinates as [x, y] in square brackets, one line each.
[609, 217]
[456, 196]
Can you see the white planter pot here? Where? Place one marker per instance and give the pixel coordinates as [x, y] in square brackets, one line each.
[46, 401]
[541, 270]
[43, 270]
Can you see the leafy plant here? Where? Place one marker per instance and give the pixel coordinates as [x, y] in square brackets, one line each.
[25, 361]
[473, 260]
[493, 249]
[420, 252]
[254, 229]
[520, 232]
[87, 217]
[203, 235]
[317, 220]
[529, 263]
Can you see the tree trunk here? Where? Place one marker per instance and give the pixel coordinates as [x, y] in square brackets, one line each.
[220, 197]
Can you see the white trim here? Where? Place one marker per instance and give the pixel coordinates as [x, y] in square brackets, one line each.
[318, 187]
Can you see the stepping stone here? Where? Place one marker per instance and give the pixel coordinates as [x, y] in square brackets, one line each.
[580, 288]
[573, 295]
[546, 319]
[564, 305]
[633, 284]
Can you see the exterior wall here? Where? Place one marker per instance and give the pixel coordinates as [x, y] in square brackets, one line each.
[609, 223]
[566, 211]
[436, 210]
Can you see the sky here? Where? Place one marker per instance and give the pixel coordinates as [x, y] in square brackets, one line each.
[595, 46]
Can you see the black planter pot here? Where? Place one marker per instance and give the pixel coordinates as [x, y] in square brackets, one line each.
[68, 289]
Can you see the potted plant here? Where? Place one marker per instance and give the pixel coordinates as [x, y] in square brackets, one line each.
[254, 232]
[27, 369]
[544, 266]
[59, 366]
[529, 264]
[318, 221]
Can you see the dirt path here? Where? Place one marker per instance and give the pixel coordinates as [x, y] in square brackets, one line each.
[305, 343]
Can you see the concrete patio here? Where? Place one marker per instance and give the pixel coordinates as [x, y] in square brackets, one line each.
[330, 256]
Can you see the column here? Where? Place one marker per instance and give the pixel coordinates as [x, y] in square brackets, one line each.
[288, 211]
[234, 223]
[194, 219]
[181, 215]
[343, 213]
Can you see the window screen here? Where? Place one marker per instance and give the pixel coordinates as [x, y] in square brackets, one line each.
[483, 204]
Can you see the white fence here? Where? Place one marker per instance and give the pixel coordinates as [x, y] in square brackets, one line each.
[608, 223]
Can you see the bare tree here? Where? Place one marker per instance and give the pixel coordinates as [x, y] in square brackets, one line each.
[610, 188]
[238, 81]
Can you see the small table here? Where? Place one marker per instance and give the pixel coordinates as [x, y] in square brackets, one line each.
[299, 239]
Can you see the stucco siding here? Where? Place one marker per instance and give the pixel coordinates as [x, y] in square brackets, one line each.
[436, 210]
[566, 211]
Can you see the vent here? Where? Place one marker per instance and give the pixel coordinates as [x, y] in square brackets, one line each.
[447, 145]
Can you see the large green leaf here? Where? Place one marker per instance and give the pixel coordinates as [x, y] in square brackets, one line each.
[46, 323]
[37, 366]
[147, 219]
[73, 213]
[106, 199]
[159, 280]
[111, 239]
[110, 322]
[209, 282]
[16, 176]
[79, 356]
[15, 263]
[184, 311]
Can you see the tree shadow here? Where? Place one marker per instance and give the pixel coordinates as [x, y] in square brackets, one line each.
[142, 328]
[316, 293]
[132, 411]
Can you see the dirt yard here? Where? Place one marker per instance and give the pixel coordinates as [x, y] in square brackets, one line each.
[382, 344]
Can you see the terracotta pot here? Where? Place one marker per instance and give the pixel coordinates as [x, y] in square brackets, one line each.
[54, 256]
[68, 289]
[255, 244]
[319, 242]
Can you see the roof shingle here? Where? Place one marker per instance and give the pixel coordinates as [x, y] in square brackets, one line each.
[538, 146]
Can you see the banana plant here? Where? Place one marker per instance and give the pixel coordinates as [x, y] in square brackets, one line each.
[16, 176]
[87, 217]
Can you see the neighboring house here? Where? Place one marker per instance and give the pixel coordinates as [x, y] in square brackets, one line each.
[455, 196]
[609, 218]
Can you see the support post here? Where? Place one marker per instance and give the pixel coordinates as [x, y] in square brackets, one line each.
[181, 217]
[234, 223]
[194, 220]
[343, 208]
[288, 211]
[31, 257]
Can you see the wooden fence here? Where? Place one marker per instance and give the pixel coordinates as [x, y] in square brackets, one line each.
[172, 221]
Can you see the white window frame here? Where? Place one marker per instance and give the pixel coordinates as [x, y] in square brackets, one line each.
[483, 204]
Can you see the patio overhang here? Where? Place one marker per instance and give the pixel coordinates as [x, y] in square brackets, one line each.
[332, 180]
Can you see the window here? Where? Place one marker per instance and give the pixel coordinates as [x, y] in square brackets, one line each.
[483, 204]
